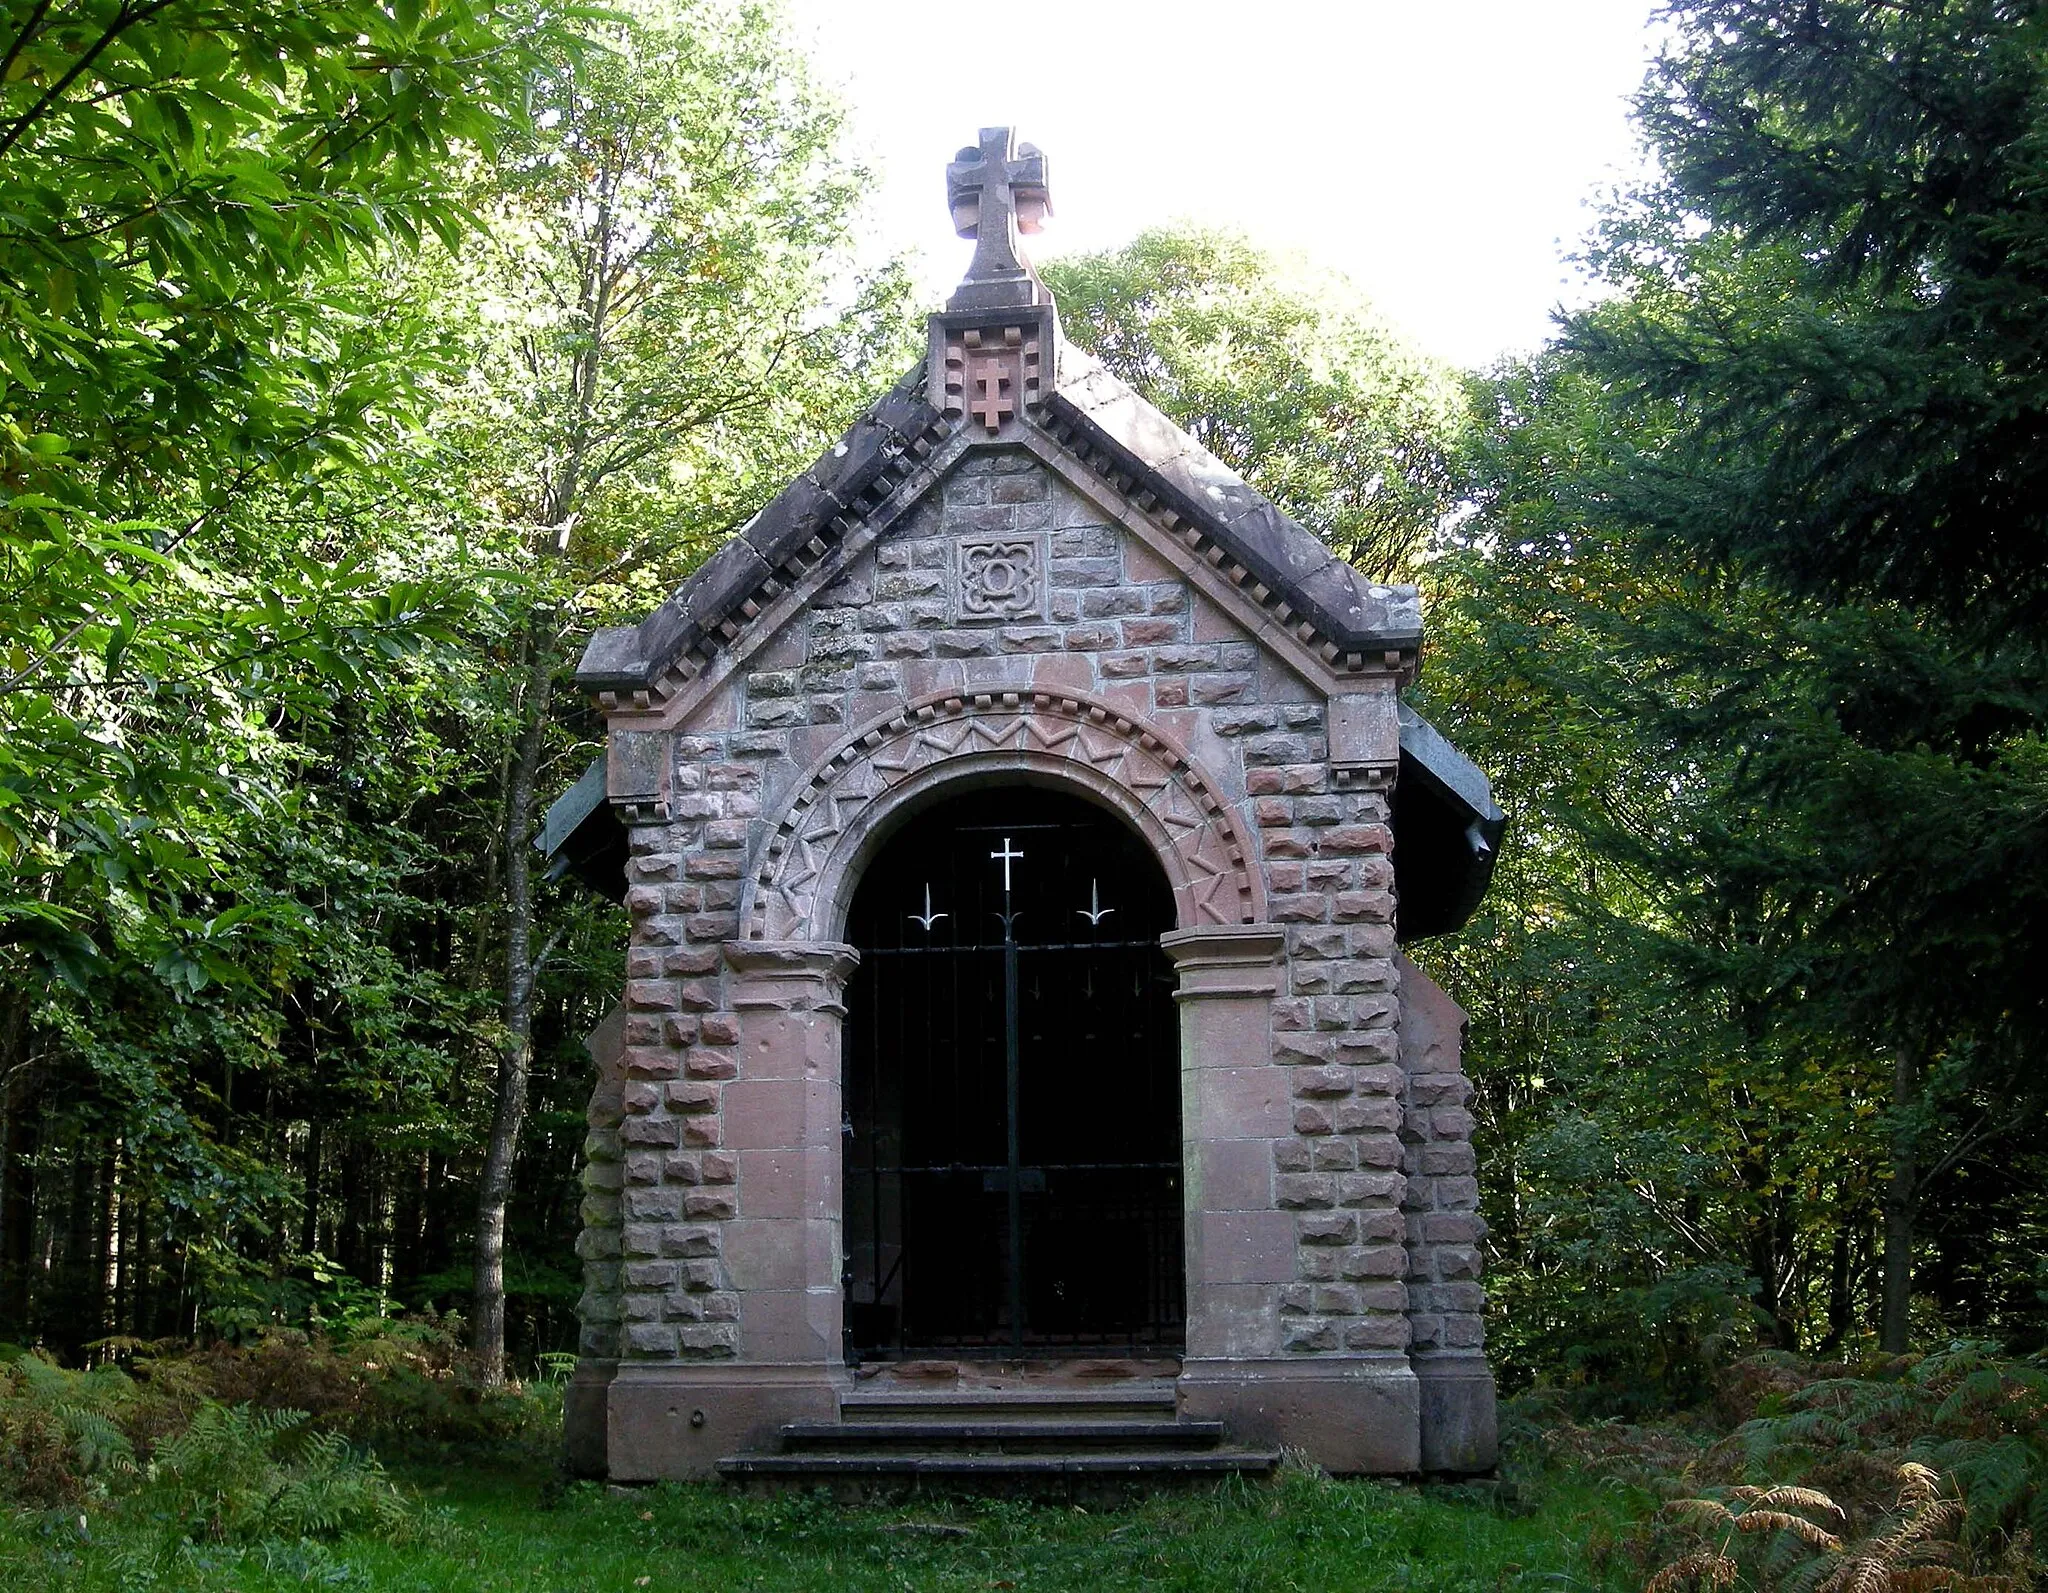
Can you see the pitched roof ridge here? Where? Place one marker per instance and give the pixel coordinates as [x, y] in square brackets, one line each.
[867, 462]
[1276, 551]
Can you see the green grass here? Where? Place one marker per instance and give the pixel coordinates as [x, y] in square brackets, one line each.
[491, 1530]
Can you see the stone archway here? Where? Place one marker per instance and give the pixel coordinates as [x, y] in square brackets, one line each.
[799, 892]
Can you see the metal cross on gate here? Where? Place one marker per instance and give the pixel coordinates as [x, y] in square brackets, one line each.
[1007, 857]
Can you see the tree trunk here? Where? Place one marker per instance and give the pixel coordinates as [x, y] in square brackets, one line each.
[515, 1058]
[1901, 1200]
[20, 1099]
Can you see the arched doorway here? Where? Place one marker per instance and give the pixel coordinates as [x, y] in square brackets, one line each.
[1012, 1086]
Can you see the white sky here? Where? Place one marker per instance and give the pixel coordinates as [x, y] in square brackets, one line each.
[1440, 153]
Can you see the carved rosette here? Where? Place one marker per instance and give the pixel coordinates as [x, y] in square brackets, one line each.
[1134, 767]
[1002, 578]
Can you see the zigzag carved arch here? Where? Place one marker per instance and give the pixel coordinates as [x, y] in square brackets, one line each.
[1061, 736]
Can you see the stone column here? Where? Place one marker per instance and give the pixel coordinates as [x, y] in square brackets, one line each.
[783, 1250]
[767, 1098]
[1351, 1412]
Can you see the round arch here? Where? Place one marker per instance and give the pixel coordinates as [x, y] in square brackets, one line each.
[855, 795]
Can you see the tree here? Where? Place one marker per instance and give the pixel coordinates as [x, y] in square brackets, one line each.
[1285, 376]
[198, 368]
[665, 335]
[1815, 399]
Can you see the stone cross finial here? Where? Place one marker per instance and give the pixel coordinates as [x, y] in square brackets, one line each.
[995, 192]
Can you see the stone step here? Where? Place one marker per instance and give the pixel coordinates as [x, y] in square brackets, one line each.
[1152, 1399]
[874, 1473]
[1009, 1436]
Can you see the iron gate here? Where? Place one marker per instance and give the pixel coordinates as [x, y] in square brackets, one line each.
[1013, 1176]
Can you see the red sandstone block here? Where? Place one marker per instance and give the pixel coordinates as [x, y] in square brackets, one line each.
[1272, 812]
[1150, 632]
[1292, 1015]
[699, 995]
[1377, 1333]
[709, 1205]
[1368, 1189]
[1316, 1264]
[1312, 1119]
[720, 1028]
[692, 1095]
[1379, 1150]
[1325, 1227]
[1298, 909]
[1305, 1050]
[639, 1096]
[1304, 1191]
[1170, 694]
[1441, 1160]
[695, 960]
[721, 1167]
[650, 1131]
[700, 1131]
[1336, 1155]
[1291, 1155]
[1310, 1335]
[1359, 838]
[1376, 1261]
[651, 995]
[706, 1064]
[1336, 1299]
[1375, 907]
[1290, 844]
[1451, 1122]
[1371, 1050]
[1320, 1082]
[679, 1030]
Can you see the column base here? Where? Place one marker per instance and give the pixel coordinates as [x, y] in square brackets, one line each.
[668, 1421]
[1351, 1415]
[1460, 1431]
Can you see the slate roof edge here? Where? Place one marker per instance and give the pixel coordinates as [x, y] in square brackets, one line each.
[1088, 404]
[1357, 614]
[632, 657]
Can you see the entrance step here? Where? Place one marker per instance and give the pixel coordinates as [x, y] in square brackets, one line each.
[1049, 1442]
[1006, 1437]
[1147, 1400]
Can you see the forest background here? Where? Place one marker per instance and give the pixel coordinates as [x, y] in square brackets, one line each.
[356, 360]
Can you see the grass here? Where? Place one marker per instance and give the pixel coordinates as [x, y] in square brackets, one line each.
[506, 1530]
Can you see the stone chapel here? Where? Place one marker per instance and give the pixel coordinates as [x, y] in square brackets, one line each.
[1018, 1071]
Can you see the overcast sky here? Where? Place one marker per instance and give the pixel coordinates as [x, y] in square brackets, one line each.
[1440, 153]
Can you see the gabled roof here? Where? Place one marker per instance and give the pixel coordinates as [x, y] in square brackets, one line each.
[1092, 414]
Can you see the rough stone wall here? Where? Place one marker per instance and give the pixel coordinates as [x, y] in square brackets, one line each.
[1004, 577]
[1441, 1201]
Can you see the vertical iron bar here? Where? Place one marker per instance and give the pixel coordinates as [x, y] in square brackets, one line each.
[1015, 1144]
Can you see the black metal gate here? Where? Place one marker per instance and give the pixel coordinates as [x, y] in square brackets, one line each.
[1013, 1178]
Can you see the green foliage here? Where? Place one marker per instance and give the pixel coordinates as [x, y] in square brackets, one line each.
[61, 1433]
[1286, 377]
[235, 1474]
[1305, 1532]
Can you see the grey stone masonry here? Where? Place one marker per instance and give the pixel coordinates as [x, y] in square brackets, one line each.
[1006, 579]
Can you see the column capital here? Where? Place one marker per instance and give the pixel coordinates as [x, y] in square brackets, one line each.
[790, 974]
[1226, 959]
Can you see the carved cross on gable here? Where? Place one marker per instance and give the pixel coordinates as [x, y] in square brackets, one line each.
[995, 192]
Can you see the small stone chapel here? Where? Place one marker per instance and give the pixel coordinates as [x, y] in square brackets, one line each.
[1018, 1070]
